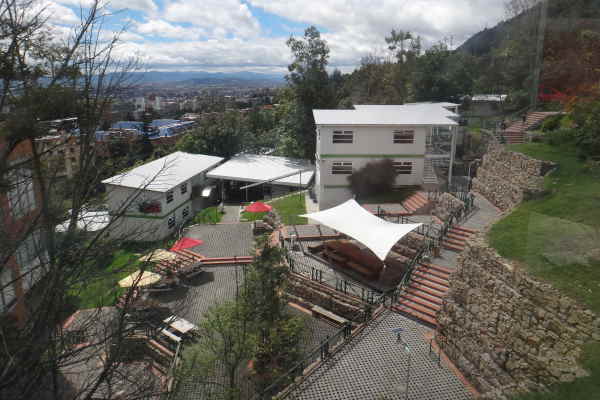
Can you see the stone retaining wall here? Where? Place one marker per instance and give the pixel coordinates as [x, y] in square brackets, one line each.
[445, 205]
[307, 292]
[508, 332]
[506, 177]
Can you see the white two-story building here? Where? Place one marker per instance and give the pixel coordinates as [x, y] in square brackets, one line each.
[349, 139]
[152, 200]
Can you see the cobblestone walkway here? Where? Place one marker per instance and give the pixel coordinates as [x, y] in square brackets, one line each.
[374, 366]
[232, 213]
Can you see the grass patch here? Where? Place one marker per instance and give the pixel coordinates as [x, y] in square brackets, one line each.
[289, 208]
[103, 290]
[209, 215]
[252, 216]
[557, 239]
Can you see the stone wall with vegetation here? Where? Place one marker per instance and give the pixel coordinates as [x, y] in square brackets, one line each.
[445, 205]
[308, 293]
[506, 178]
[508, 332]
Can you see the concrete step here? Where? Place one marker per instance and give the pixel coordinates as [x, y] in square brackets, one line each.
[423, 305]
[442, 284]
[425, 296]
[452, 247]
[459, 243]
[428, 271]
[463, 229]
[439, 268]
[437, 293]
[423, 317]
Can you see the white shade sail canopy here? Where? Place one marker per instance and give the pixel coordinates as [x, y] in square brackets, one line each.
[353, 220]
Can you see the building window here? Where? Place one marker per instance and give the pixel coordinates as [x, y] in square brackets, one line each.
[28, 256]
[184, 188]
[169, 196]
[341, 168]
[404, 136]
[21, 196]
[343, 136]
[403, 167]
[171, 221]
[185, 212]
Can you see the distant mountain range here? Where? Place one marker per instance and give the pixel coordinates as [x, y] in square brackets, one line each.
[207, 78]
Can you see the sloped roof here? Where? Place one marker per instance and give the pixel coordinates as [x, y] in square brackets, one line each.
[353, 220]
[165, 173]
[260, 168]
[408, 114]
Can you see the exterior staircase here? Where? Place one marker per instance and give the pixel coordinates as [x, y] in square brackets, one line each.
[415, 202]
[456, 238]
[515, 133]
[424, 294]
[429, 175]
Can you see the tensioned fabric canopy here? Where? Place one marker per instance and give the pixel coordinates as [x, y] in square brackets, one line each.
[353, 220]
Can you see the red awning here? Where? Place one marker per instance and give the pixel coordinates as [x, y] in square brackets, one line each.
[258, 207]
[186, 243]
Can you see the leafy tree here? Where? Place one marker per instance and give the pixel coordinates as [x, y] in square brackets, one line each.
[310, 82]
[586, 116]
[220, 135]
[226, 343]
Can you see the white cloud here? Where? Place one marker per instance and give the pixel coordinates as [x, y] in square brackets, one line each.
[56, 13]
[216, 54]
[355, 27]
[218, 17]
[161, 28]
[140, 5]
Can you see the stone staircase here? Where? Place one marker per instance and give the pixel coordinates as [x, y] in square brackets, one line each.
[415, 202]
[456, 238]
[423, 296]
[515, 133]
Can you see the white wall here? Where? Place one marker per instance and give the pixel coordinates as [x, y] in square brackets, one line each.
[368, 143]
[371, 140]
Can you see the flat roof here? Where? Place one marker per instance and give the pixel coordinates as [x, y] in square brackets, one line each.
[165, 173]
[260, 168]
[406, 114]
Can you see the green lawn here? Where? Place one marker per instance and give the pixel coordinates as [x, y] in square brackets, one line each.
[557, 238]
[252, 216]
[209, 215]
[289, 208]
[104, 289]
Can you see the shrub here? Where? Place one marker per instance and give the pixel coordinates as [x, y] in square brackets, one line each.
[552, 123]
[560, 136]
[375, 177]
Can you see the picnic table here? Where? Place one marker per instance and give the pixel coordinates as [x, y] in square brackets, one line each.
[180, 324]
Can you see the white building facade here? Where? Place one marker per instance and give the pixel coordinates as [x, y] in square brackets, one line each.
[153, 200]
[349, 139]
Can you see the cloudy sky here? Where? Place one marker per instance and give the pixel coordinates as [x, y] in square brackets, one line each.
[250, 35]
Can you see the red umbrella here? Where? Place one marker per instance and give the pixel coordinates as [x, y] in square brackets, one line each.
[257, 207]
[186, 243]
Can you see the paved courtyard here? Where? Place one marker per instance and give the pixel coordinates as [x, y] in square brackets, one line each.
[222, 240]
[374, 366]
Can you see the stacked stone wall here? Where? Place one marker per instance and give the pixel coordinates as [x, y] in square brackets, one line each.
[307, 293]
[446, 205]
[505, 177]
[508, 332]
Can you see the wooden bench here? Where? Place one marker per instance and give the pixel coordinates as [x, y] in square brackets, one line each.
[360, 269]
[320, 312]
